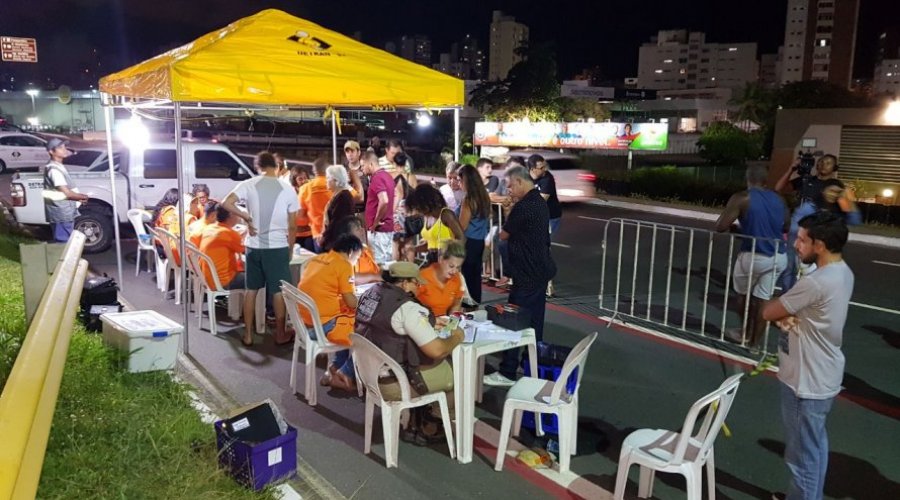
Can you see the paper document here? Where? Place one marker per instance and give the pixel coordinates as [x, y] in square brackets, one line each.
[486, 331]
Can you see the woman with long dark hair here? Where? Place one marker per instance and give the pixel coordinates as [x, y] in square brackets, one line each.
[474, 218]
[427, 212]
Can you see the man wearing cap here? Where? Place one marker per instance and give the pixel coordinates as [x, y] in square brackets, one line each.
[61, 197]
[389, 315]
[358, 180]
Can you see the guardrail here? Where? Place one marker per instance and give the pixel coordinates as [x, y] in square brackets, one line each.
[29, 397]
[642, 279]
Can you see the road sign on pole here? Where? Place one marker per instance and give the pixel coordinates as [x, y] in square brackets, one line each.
[13, 49]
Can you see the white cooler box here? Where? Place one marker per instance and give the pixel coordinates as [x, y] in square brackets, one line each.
[150, 338]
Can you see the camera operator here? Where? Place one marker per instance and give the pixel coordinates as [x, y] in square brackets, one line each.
[809, 185]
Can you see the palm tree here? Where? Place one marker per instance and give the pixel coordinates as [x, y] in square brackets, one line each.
[754, 104]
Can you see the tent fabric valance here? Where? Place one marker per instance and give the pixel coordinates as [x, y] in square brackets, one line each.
[273, 58]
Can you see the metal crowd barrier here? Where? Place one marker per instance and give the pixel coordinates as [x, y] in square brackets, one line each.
[493, 269]
[648, 288]
[29, 397]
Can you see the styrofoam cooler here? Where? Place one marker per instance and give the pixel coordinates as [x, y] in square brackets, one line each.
[150, 339]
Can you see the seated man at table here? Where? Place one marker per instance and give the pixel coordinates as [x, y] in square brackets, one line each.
[391, 317]
[442, 292]
[221, 243]
[328, 279]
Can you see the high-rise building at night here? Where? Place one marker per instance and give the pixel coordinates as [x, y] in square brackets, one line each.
[506, 36]
[677, 59]
[416, 48]
[887, 63]
[819, 41]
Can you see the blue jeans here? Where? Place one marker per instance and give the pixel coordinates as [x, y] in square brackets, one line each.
[62, 230]
[342, 359]
[535, 300]
[554, 226]
[805, 443]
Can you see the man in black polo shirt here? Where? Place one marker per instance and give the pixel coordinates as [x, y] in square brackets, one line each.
[530, 264]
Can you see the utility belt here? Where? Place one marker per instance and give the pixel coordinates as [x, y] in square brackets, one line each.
[415, 378]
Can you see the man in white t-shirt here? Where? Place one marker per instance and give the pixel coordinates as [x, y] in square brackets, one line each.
[271, 211]
[810, 362]
[61, 197]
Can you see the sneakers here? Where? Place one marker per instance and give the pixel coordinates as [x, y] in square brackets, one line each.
[497, 380]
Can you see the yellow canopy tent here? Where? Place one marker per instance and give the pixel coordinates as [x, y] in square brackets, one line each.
[273, 58]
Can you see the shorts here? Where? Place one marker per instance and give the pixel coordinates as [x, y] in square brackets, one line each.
[766, 269]
[382, 247]
[267, 267]
[236, 283]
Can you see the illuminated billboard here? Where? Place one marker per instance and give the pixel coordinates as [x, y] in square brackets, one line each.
[574, 135]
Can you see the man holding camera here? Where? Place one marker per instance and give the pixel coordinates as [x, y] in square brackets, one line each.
[807, 177]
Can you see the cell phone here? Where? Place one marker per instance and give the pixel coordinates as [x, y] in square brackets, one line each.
[452, 324]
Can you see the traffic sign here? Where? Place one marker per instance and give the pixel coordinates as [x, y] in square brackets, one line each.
[13, 49]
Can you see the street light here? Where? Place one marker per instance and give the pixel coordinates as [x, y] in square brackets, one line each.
[33, 93]
[892, 115]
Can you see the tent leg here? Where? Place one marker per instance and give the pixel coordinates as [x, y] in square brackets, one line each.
[179, 170]
[456, 134]
[108, 116]
[334, 155]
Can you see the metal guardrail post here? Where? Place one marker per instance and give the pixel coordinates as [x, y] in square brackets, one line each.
[29, 397]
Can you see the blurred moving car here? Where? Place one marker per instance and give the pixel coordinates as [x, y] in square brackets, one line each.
[573, 182]
[21, 150]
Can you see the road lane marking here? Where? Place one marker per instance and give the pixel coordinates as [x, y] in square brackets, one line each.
[561, 245]
[883, 263]
[876, 308]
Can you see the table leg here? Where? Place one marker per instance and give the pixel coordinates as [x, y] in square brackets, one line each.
[458, 377]
[466, 410]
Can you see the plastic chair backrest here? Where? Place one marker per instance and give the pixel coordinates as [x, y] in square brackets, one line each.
[168, 241]
[576, 359]
[370, 360]
[292, 301]
[719, 403]
[194, 258]
[136, 217]
[310, 305]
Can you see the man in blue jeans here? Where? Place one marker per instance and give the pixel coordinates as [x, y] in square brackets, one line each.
[530, 264]
[810, 362]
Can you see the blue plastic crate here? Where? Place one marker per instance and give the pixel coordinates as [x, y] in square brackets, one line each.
[256, 465]
[550, 422]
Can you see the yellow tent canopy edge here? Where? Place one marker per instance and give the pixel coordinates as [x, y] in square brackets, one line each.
[274, 58]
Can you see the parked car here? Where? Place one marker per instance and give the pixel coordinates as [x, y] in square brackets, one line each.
[91, 159]
[21, 150]
[142, 178]
[573, 182]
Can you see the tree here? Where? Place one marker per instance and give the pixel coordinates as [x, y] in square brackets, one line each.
[724, 144]
[573, 110]
[755, 104]
[819, 94]
[530, 89]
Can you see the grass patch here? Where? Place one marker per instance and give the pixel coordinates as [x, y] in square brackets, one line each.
[116, 434]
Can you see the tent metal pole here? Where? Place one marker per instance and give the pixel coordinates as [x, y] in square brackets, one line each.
[456, 134]
[108, 117]
[334, 138]
[182, 276]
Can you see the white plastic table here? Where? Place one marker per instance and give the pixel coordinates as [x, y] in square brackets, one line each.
[466, 384]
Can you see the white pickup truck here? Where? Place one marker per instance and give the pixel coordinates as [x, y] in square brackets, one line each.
[142, 178]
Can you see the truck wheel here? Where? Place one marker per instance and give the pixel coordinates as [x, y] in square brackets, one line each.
[98, 230]
[2, 167]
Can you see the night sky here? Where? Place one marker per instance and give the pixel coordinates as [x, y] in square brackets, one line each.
[586, 33]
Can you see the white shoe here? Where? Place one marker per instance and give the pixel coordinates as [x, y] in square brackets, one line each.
[497, 380]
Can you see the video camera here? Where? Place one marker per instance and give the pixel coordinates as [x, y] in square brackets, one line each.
[807, 158]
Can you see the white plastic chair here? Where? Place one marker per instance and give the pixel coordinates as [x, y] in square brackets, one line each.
[162, 275]
[211, 293]
[682, 453]
[168, 241]
[138, 218]
[293, 300]
[370, 360]
[545, 396]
